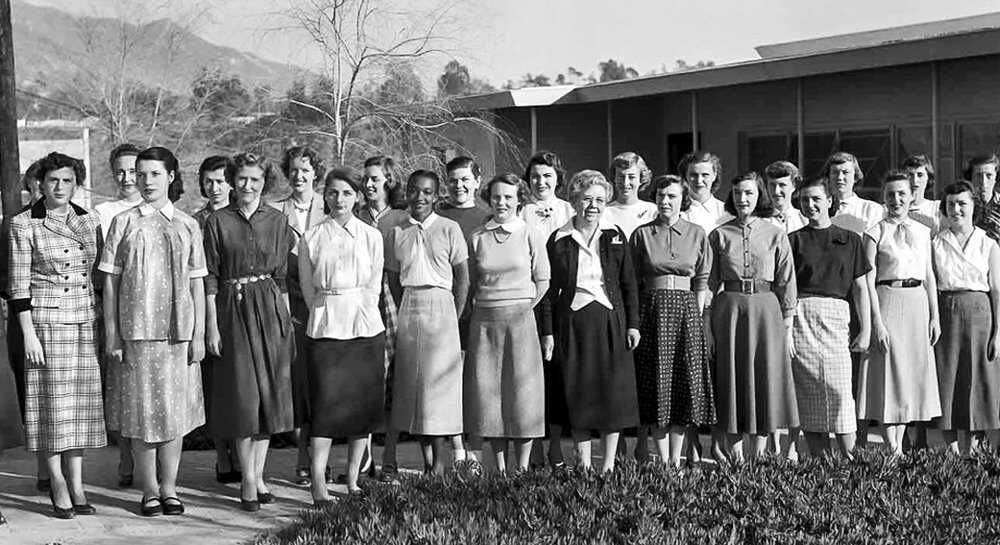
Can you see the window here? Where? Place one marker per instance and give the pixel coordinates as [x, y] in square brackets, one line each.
[873, 148]
[977, 139]
[762, 150]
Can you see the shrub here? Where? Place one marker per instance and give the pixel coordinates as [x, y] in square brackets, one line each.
[929, 498]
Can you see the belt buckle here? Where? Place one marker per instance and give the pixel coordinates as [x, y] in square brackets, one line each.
[746, 286]
[671, 282]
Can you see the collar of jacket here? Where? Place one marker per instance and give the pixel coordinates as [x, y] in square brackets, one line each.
[38, 210]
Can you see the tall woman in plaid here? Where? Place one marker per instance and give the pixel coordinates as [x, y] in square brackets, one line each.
[53, 250]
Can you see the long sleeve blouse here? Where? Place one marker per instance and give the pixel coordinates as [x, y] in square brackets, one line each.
[757, 250]
[680, 249]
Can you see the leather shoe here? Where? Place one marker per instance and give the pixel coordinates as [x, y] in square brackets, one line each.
[151, 507]
[265, 497]
[249, 505]
[64, 513]
[84, 509]
[172, 506]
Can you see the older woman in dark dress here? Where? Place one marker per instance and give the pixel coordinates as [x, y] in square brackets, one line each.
[248, 325]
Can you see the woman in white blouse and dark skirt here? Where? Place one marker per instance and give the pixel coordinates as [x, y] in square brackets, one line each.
[340, 270]
[967, 266]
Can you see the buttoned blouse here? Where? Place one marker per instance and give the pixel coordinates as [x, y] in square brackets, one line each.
[958, 268]
[827, 261]
[790, 220]
[547, 216]
[423, 253]
[630, 216]
[904, 249]
[757, 250]
[857, 214]
[680, 249]
[589, 274]
[708, 215]
[506, 260]
[340, 270]
[52, 263]
[156, 254]
[237, 246]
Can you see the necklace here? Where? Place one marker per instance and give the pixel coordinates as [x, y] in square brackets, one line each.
[500, 235]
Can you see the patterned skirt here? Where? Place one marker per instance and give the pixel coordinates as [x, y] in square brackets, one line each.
[900, 386]
[387, 308]
[64, 408]
[504, 393]
[822, 366]
[427, 384]
[160, 396]
[754, 389]
[968, 381]
[672, 371]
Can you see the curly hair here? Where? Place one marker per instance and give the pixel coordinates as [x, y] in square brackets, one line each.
[828, 188]
[701, 156]
[627, 160]
[765, 206]
[509, 178]
[56, 161]
[548, 159]
[247, 160]
[957, 188]
[666, 180]
[840, 158]
[297, 152]
[584, 180]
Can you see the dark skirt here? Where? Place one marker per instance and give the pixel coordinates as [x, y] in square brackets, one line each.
[598, 373]
[252, 383]
[968, 382]
[672, 371]
[207, 376]
[346, 383]
[555, 392]
[300, 375]
[11, 429]
[754, 390]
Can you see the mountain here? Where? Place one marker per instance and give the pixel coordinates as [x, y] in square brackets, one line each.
[50, 43]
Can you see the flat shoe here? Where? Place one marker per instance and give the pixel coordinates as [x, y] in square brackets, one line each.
[151, 507]
[265, 497]
[84, 509]
[172, 506]
[249, 505]
[302, 477]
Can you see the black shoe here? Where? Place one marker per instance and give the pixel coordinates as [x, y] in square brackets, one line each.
[64, 513]
[172, 506]
[3, 519]
[302, 476]
[43, 485]
[328, 476]
[125, 481]
[151, 507]
[389, 474]
[265, 497]
[84, 509]
[249, 505]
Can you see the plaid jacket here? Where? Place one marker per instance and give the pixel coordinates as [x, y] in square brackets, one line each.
[52, 265]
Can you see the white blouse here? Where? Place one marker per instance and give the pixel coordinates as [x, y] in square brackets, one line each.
[960, 268]
[904, 249]
[589, 273]
[709, 215]
[547, 216]
[340, 270]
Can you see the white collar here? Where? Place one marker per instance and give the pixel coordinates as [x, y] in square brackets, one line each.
[167, 210]
[511, 226]
[426, 224]
[569, 230]
[351, 226]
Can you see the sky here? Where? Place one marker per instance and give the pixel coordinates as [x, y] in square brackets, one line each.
[502, 40]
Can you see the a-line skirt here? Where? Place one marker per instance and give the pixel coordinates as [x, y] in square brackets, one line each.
[598, 373]
[427, 382]
[63, 404]
[346, 384]
[160, 397]
[504, 393]
[754, 389]
[900, 386]
[822, 365]
[968, 382]
[672, 370]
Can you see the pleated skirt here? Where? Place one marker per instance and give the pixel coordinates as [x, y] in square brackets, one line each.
[346, 380]
[672, 370]
[504, 394]
[427, 382]
[900, 386]
[754, 389]
[822, 366]
[968, 382]
[597, 372]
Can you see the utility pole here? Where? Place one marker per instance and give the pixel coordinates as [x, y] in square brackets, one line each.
[10, 168]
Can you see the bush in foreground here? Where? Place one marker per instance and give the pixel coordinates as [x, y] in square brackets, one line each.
[930, 498]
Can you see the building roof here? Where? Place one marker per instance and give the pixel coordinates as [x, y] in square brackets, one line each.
[912, 44]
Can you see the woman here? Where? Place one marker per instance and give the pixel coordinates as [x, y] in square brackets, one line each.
[967, 267]
[673, 376]
[301, 166]
[754, 279]
[427, 258]
[53, 251]
[897, 383]
[340, 269]
[248, 326]
[590, 320]
[509, 274]
[546, 211]
[154, 266]
[631, 180]
[703, 172]
[830, 269]
[921, 172]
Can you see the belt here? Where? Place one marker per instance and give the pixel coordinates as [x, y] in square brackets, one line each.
[900, 283]
[340, 291]
[247, 279]
[747, 285]
[668, 282]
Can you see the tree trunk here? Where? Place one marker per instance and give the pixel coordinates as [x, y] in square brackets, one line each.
[10, 168]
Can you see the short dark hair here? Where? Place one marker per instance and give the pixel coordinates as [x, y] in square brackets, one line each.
[249, 159]
[783, 169]
[919, 160]
[665, 180]
[509, 178]
[423, 173]
[824, 183]
[957, 188]
[122, 150]
[170, 162]
[548, 159]
[765, 206]
[213, 162]
[33, 172]
[395, 193]
[463, 161]
[348, 176]
[701, 156]
[895, 176]
[56, 161]
[979, 160]
[296, 152]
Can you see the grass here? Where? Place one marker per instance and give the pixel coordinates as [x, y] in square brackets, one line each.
[928, 498]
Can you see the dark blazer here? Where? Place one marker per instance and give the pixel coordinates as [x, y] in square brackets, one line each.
[619, 278]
